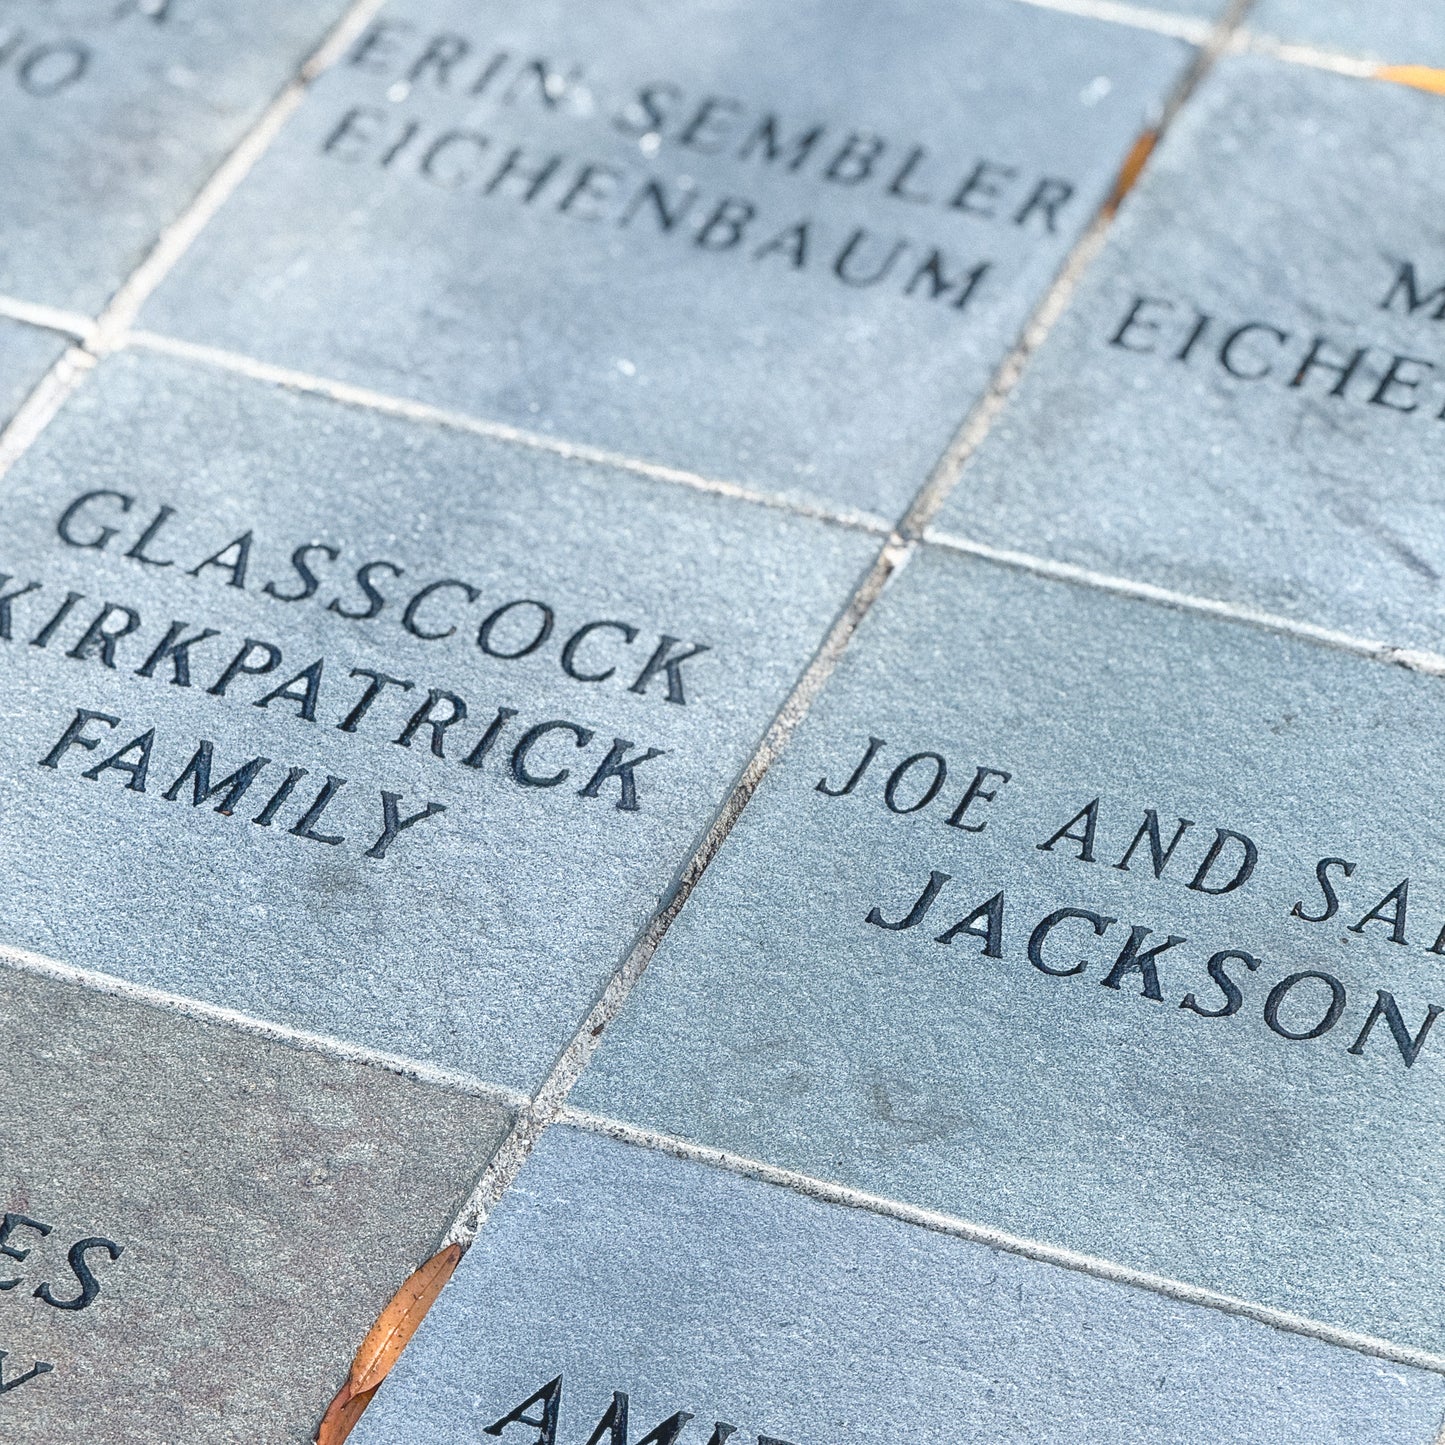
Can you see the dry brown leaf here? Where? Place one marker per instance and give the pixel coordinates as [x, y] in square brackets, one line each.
[341, 1417]
[1129, 172]
[384, 1342]
[1421, 77]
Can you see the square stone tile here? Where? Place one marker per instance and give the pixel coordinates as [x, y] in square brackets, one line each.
[1401, 32]
[201, 1225]
[112, 115]
[1223, 1074]
[1244, 400]
[785, 245]
[26, 354]
[618, 645]
[687, 1289]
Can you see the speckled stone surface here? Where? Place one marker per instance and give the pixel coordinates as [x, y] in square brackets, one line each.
[1399, 32]
[1290, 460]
[242, 1211]
[113, 113]
[781, 309]
[26, 353]
[689, 1289]
[1168, 1110]
[619, 646]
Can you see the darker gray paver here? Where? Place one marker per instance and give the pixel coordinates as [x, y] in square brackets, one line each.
[112, 115]
[688, 1289]
[262, 1205]
[620, 646]
[1399, 32]
[1244, 401]
[454, 232]
[1167, 1120]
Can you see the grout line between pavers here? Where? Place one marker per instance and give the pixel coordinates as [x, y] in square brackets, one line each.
[1415, 659]
[116, 319]
[1056, 299]
[828, 1192]
[24, 961]
[110, 327]
[1134, 17]
[50, 318]
[895, 554]
[349, 394]
[1309, 56]
[1198, 32]
[551, 1096]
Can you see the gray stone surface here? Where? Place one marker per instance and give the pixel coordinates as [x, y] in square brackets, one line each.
[776, 1022]
[1321, 507]
[1400, 32]
[1194, 9]
[265, 1204]
[691, 1289]
[482, 936]
[113, 113]
[26, 354]
[392, 266]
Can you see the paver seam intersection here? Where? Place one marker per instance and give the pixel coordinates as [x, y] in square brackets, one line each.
[550, 1100]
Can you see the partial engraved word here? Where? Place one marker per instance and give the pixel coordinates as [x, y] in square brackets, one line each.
[540, 1412]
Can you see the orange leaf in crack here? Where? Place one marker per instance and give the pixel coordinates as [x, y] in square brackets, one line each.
[384, 1342]
[1420, 77]
[345, 1410]
[1132, 168]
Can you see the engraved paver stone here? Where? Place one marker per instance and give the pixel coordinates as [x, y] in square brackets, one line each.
[200, 1225]
[1402, 32]
[1102, 923]
[1245, 399]
[783, 245]
[112, 115]
[615, 1279]
[380, 729]
[25, 355]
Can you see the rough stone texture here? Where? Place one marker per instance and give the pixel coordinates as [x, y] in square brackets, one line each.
[112, 115]
[548, 313]
[25, 355]
[1400, 32]
[484, 934]
[776, 1022]
[1322, 508]
[266, 1203]
[691, 1289]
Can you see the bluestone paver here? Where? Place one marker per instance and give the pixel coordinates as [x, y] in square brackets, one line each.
[1244, 400]
[615, 1278]
[785, 245]
[113, 114]
[1125, 939]
[374, 728]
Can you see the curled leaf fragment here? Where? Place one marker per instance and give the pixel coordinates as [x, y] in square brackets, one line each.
[384, 1342]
